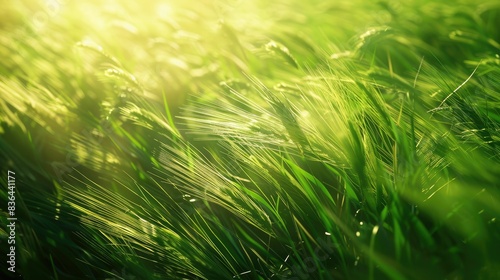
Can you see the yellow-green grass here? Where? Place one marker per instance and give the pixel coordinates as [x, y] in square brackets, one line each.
[252, 140]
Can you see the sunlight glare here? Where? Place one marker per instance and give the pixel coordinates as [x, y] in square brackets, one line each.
[163, 11]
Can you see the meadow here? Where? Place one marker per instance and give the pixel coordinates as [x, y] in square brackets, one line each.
[232, 139]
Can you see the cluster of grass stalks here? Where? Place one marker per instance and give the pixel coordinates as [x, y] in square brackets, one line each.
[251, 140]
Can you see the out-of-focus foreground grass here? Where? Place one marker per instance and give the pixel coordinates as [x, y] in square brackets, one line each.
[252, 139]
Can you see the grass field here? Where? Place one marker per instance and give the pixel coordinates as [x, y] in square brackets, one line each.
[232, 139]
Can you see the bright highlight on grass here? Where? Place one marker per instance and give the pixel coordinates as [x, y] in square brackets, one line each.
[252, 139]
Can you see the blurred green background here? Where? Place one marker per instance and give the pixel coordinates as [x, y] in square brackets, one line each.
[251, 139]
